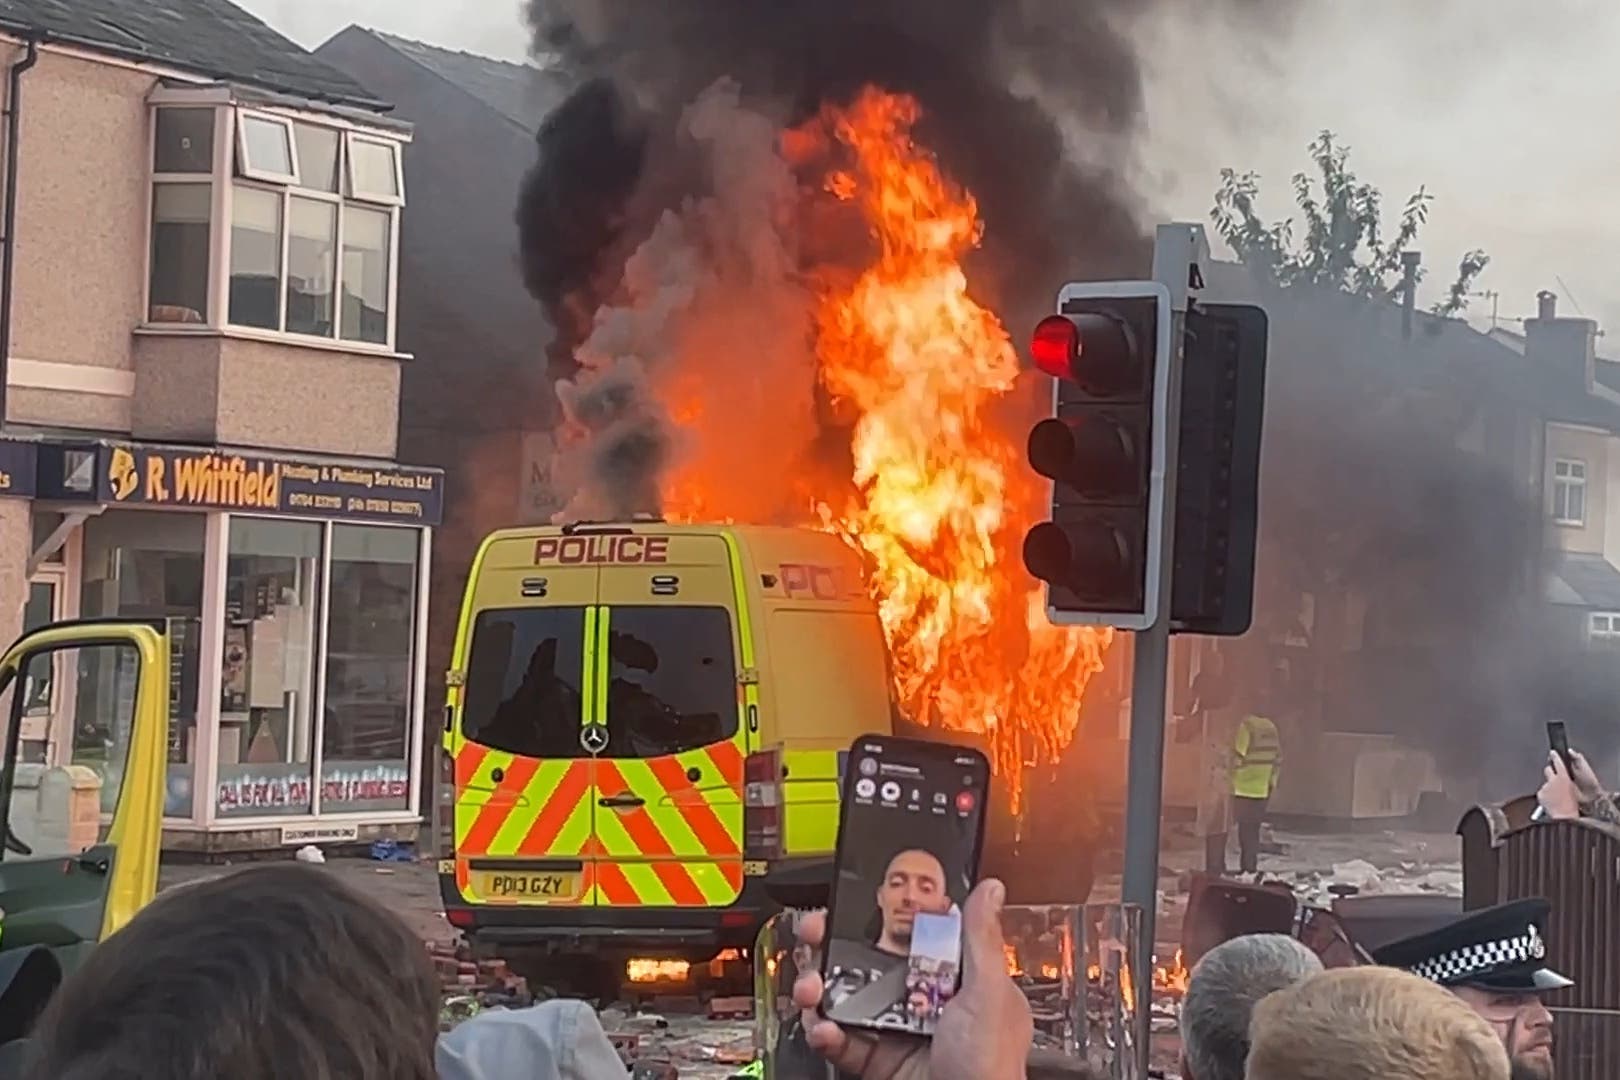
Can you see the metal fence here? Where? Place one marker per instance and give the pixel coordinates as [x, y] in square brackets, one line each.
[1575, 864]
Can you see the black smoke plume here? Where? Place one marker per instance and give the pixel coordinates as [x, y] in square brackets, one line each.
[992, 77]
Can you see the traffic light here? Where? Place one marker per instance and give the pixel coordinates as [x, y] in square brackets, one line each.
[1103, 448]
[1223, 394]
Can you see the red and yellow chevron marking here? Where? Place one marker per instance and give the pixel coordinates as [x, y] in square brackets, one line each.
[683, 848]
[538, 809]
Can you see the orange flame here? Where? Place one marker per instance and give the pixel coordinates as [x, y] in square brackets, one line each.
[940, 504]
[1172, 978]
[646, 969]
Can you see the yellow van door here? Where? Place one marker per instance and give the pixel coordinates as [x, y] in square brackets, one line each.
[671, 737]
[524, 779]
[68, 876]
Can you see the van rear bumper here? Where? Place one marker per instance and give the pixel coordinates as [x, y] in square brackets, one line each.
[800, 883]
[560, 929]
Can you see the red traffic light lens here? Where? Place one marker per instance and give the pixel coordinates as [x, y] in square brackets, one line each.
[1055, 346]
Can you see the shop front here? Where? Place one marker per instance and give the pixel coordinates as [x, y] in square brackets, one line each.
[294, 590]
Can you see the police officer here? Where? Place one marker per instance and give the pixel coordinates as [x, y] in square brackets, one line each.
[1495, 960]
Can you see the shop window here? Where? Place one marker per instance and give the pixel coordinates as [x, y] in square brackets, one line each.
[311, 205]
[267, 719]
[672, 685]
[371, 639]
[149, 565]
[523, 673]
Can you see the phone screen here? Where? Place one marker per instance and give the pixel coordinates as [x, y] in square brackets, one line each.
[1558, 740]
[909, 841]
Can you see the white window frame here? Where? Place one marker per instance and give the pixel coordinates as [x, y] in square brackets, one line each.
[354, 192]
[1603, 628]
[1568, 475]
[244, 160]
[230, 163]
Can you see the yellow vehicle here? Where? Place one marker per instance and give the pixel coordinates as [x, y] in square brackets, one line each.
[71, 874]
[618, 693]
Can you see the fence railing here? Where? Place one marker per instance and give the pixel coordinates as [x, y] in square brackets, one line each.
[1574, 864]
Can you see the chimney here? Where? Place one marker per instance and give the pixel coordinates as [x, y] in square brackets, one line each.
[1561, 346]
[1410, 261]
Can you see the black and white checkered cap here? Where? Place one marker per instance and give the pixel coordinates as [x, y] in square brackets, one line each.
[1502, 947]
[1488, 957]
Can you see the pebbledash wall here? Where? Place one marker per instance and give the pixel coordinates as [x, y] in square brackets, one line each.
[294, 590]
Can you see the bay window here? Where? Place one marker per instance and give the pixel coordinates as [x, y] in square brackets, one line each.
[273, 222]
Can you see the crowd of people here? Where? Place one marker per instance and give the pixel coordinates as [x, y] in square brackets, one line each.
[282, 971]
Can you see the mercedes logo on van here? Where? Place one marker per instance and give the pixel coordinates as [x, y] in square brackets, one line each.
[594, 738]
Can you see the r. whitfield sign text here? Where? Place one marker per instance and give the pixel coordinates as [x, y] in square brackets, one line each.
[221, 480]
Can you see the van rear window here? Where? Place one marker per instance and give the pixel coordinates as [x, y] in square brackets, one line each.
[523, 681]
[672, 683]
[671, 680]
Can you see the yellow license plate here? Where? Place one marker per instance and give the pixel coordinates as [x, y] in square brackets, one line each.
[511, 887]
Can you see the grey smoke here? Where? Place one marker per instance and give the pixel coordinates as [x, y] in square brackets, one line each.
[709, 311]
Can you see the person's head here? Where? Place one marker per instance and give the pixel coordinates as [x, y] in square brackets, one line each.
[913, 881]
[1495, 960]
[274, 971]
[1371, 1023]
[1521, 1021]
[1226, 984]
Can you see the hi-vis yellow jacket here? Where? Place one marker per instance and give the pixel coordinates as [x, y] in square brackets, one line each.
[1259, 755]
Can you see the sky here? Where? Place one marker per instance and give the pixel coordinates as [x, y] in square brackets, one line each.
[1501, 109]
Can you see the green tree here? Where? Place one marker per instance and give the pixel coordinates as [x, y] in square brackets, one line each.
[1341, 243]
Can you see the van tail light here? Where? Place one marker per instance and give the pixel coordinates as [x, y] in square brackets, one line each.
[460, 918]
[762, 805]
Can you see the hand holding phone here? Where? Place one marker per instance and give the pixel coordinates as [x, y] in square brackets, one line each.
[909, 840]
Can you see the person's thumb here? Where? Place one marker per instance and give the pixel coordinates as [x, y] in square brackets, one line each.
[983, 946]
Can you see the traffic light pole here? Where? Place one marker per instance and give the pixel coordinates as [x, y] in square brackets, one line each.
[1177, 251]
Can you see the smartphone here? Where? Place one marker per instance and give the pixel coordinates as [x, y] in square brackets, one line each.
[909, 839]
[1558, 741]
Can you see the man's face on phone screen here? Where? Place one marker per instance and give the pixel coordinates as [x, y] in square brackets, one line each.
[914, 881]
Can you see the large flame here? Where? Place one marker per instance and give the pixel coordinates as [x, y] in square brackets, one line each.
[939, 506]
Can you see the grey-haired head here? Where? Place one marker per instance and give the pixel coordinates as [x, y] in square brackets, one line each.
[1226, 984]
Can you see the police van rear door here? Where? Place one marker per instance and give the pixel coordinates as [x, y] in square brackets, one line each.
[670, 721]
[524, 779]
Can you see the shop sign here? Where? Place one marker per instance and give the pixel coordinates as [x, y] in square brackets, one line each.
[319, 834]
[138, 475]
[19, 468]
[262, 790]
[346, 787]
